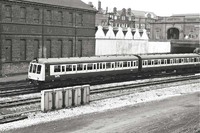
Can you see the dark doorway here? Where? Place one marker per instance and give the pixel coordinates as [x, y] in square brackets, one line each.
[173, 33]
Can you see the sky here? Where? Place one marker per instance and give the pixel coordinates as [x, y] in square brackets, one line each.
[159, 7]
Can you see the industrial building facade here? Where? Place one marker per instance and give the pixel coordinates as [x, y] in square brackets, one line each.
[46, 29]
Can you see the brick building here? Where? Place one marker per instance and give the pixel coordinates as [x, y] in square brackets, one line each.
[125, 18]
[180, 26]
[45, 29]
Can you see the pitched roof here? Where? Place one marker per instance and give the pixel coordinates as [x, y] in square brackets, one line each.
[137, 13]
[64, 3]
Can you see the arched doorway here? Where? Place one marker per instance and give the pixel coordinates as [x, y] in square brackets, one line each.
[173, 33]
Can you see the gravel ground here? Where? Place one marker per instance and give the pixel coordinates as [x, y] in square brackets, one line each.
[103, 105]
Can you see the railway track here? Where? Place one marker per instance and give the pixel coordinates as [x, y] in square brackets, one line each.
[135, 87]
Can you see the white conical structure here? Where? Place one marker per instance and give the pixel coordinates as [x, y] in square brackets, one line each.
[137, 34]
[120, 34]
[129, 34]
[100, 33]
[144, 35]
[110, 33]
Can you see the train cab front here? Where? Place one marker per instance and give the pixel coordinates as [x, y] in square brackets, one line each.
[36, 73]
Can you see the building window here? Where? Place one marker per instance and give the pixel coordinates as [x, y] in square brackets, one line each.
[123, 17]
[49, 16]
[23, 14]
[70, 17]
[80, 19]
[36, 15]
[48, 49]
[37, 49]
[60, 50]
[22, 49]
[8, 50]
[60, 17]
[8, 12]
[71, 50]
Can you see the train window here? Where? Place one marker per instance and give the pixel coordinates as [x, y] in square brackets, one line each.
[57, 68]
[34, 68]
[159, 61]
[31, 68]
[108, 65]
[79, 67]
[112, 64]
[63, 69]
[188, 60]
[198, 59]
[74, 67]
[177, 60]
[134, 63]
[39, 69]
[68, 68]
[94, 66]
[125, 64]
[182, 60]
[144, 62]
[129, 64]
[192, 59]
[165, 61]
[152, 62]
[171, 61]
[89, 66]
[99, 66]
[85, 67]
[103, 65]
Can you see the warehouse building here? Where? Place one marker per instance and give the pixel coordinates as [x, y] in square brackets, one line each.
[44, 29]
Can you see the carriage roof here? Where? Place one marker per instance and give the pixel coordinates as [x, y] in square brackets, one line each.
[168, 56]
[85, 59]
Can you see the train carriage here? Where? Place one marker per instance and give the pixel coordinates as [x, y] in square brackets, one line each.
[170, 62]
[81, 67]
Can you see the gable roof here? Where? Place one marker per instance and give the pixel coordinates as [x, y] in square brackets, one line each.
[64, 3]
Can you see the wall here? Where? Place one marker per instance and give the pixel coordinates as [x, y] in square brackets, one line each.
[36, 30]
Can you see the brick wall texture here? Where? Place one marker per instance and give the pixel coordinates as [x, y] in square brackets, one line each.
[30, 30]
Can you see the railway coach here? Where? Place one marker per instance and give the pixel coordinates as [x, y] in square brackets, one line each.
[77, 69]
[81, 68]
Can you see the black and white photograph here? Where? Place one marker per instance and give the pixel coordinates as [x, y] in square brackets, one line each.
[99, 66]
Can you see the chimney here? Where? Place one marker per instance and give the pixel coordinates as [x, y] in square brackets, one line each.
[115, 10]
[123, 11]
[129, 11]
[106, 10]
[90, 4]
[99, 5]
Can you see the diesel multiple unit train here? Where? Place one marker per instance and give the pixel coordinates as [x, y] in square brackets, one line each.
[50, 70]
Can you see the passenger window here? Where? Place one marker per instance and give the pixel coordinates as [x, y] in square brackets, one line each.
[79, 67]
[182, 60]
[74, 67]
[165, 61]
[108, 65]
[68, 68]
[94, 66]
[152, 62]
[171, 61]
[39, 69]
[89, 66]
[31, 68]
[129, 64]
[192, 59]
[134, 63]
[177, 60]
[125, 64]
[85, 67]
[63, 68]
[34, 68]
[112, 64]
[57, 68]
